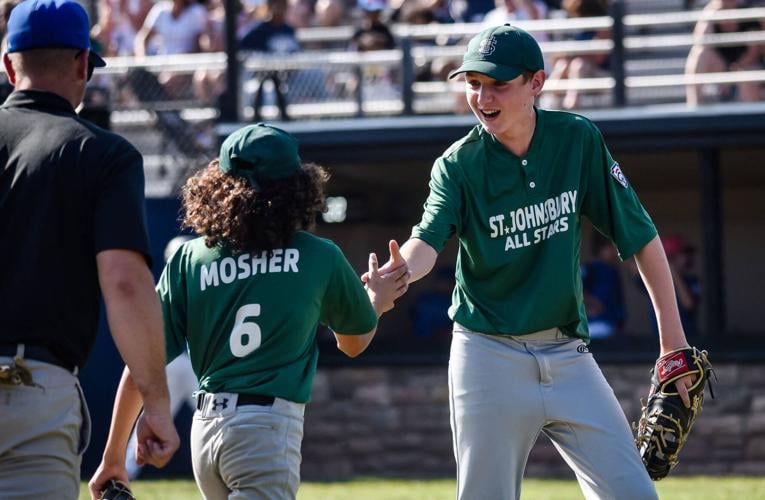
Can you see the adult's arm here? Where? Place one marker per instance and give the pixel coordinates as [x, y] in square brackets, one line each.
[135, 320]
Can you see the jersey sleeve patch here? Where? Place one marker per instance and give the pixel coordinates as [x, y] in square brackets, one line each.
[617, 173]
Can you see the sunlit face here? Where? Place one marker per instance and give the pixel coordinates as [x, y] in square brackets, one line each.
[499, 105]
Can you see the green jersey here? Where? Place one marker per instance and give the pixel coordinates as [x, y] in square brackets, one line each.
[517, 220]
[250, 319]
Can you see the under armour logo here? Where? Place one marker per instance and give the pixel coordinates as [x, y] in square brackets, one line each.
[223, 404]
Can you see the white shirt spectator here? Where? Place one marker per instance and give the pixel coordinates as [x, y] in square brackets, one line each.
[508, 11]
[518, 12]
[177, 35]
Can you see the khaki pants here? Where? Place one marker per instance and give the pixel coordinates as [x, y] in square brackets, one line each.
[249, 452]
[505, 391]
[43, 433]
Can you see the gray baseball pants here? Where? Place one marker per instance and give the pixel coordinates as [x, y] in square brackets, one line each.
[43, 433]
[504, 391]
[247, 452]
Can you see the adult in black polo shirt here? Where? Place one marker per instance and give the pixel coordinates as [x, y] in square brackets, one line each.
[72, 226]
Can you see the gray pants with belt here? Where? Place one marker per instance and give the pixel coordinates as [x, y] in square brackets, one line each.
[247, 452]
[43, 433]
[504, 391]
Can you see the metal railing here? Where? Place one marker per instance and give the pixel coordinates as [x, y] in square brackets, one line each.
[339, 83]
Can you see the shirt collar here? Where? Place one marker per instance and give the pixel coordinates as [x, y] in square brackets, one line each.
[496, 184]
[38, 99]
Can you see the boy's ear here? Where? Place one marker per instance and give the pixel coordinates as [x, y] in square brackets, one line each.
[538, 82]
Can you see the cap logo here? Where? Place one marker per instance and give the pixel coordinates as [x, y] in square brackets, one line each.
[487, 46]
[616, 172]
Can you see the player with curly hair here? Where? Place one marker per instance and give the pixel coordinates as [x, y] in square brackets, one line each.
[247, 297]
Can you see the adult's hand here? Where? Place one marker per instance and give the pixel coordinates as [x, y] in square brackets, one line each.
[157, 438]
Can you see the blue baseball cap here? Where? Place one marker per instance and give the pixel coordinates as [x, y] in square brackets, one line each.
[43, 24]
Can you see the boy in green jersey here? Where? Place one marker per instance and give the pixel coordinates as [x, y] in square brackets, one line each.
[513, 192]
[246, 298]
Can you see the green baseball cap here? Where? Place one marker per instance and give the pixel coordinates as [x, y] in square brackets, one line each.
[501, 52]
[260, 153]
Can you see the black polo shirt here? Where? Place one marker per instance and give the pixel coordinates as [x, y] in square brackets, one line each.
[68, 190]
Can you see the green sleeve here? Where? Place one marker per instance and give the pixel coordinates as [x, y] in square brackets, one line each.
[172, 295]
[609, 201]
[345, 307]
[441, 217]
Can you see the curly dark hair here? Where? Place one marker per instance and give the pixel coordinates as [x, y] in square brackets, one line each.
[226, 210]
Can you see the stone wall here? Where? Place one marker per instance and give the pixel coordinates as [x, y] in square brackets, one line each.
[372, 421]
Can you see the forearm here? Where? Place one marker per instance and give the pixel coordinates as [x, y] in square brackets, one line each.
[420, 258]
[135, 320]
[655, 273]
[140, 43]
[127, 406]
[353, 345]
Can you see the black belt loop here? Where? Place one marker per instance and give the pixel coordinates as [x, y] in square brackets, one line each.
[255, 399]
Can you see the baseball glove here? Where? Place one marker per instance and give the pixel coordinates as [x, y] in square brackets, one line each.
[116, 490]
[665, 421]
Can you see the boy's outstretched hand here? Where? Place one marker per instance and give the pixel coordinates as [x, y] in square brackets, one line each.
[395, 261]
[384, 288]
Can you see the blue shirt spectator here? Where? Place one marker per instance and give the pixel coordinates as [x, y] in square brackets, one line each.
[603, 295]
[272, 35]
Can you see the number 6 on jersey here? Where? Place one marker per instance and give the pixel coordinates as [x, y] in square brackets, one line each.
[245, 336]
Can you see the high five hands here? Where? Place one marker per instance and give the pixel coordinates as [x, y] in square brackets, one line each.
[385, 285]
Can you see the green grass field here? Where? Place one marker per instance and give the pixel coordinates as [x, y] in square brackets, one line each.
[680, 488]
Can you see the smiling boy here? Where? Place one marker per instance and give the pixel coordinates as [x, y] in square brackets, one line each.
[513, 191]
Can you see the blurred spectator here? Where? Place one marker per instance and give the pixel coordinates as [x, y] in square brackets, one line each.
[470, 11]
[581, 66]
[422, 11]
[440, 69]
[509, 11]
[174, 27]
[372, 33]
[300, 13]
[603, 298]
[250, 13]
[377, 81]
[719, 59]
[414, 12]
[177, 27]
[210, 84]
[687, 285]
[430, 311]
[331, 13]
[118, 23]
[6, 6]
[273, 35]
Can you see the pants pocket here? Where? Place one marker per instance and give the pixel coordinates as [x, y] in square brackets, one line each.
[85, 426]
